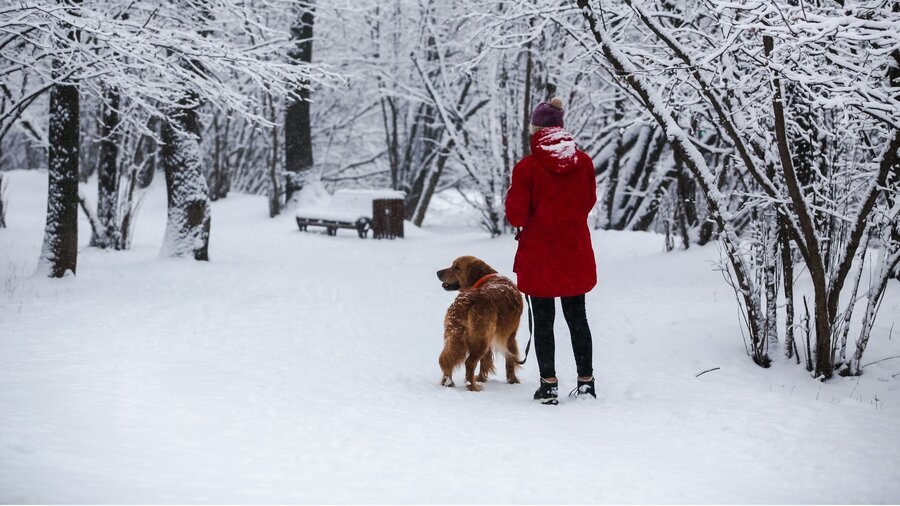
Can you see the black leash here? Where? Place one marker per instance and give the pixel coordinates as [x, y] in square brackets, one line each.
[530, 317]
[530, 330]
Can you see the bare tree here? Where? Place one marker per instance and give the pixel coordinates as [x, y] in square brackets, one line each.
[59, 254]
[108, 172]
[298, 155]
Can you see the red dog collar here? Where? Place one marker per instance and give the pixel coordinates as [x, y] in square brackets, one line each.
[482, 280]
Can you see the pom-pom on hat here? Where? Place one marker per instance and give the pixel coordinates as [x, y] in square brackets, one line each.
[548, 114]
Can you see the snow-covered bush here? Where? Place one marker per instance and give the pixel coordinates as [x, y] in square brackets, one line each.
[801, 94]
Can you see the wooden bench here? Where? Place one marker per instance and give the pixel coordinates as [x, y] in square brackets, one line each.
[352, 209]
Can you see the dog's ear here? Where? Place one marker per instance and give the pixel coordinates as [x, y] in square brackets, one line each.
[477, 270]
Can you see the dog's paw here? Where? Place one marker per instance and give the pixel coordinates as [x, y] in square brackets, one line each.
[481, 378]
[512, 381]
[447, 382]
[474, 387]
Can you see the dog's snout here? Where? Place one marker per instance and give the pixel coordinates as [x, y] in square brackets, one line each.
[440, 273]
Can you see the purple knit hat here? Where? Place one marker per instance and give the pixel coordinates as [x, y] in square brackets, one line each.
[548, 114]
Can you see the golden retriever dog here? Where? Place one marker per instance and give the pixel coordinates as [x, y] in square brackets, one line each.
[483, 318]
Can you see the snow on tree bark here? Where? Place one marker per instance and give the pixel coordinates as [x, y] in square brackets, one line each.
[188, 224]
[274, 182]
[888, 261]
[787, 268]
[59, 253]
[814, 262]
[108, 172]
[770, 259]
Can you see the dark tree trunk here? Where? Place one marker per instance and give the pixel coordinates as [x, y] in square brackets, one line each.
[825, 311]
[275, 187]
[145, 157]
[642, 180]
[434, 176]
[2, 202]
[609, 198]
[220, 178]
[60, 250]
[298, 155]
[787, 266]
[638, 167]
[391, 141]
[687, 195]
[108, 172]
[770, 275]
[187, 228]
[643, 220]
[526, 102]
[683, 208]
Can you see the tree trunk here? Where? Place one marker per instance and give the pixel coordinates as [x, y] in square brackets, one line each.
[770, 257]
[824, 315]
[220, 178]
[526, 102]
[640, 179]
[59, 253]
[145, 157]
[630, 174]
[187, 228]
[2, 202]
[298, 155]
[433, 179]
[787, 267]
[890, 258]
[609, 198]
[108, 172]
[275, 187]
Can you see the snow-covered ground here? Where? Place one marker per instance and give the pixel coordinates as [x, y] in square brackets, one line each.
[296, 367]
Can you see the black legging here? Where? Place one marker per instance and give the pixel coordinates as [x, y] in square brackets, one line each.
[544, 344]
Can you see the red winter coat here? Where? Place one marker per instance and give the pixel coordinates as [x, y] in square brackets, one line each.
[551, 194]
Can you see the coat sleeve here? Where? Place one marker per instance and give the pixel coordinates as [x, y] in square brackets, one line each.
[518, 197]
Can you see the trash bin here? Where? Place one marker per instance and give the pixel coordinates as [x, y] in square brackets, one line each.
[387, 218]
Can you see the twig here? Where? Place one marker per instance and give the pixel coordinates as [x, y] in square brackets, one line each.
[882, 360]
[706, 371]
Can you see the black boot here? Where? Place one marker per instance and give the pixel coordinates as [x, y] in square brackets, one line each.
[584, 389]
[547, 393]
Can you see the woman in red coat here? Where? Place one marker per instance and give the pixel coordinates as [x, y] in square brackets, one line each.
[551, 194]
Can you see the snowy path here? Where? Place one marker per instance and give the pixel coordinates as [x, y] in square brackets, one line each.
[297, 367]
